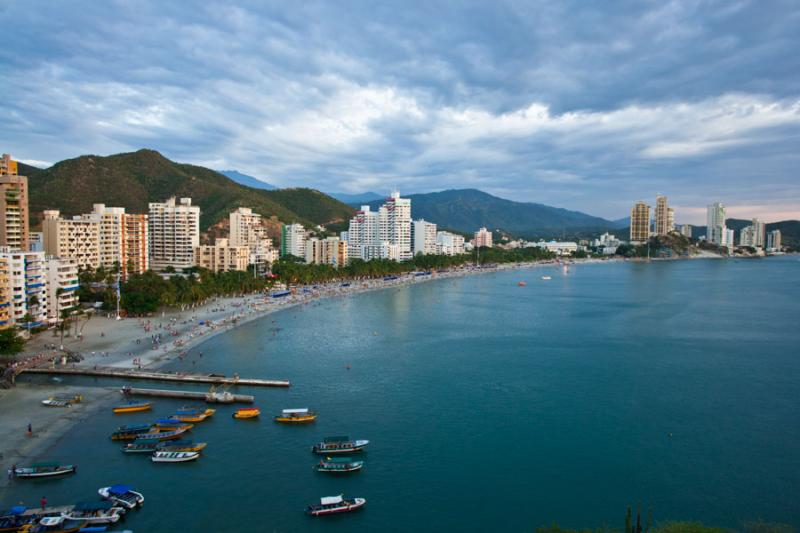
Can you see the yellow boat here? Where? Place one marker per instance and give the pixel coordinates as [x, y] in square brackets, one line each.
[248, 412]
[194, 416]
[133, 407]
[296, 416]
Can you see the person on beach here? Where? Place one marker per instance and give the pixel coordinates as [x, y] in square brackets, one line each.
[30, 430]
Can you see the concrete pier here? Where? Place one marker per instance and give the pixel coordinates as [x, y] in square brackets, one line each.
[106, 372]
[184, 395]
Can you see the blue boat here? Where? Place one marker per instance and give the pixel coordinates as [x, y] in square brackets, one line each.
[280, 294]
[390, 278]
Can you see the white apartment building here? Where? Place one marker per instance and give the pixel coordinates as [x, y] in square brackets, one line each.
[449, 243]
[222, 256]
[774, 240]
[384, 234]
[423, 237]
[173, 229]
[716, 232]
[36, 241]
[293, 240]
[559, 248]
[247, 229]
[25, 287]
[753, 235]
[686, 230]
[76, 237]
[606, 240]
[483, 237]
[62, 286]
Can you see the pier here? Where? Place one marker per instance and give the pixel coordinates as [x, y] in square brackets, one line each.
[106, 372]
[184, 395]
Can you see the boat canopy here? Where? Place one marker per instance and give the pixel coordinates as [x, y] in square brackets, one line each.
[134, 427]
[295, 411]
[331, 500]
[119, 489]
[46, 464]
[329, 440]
[342, 460]
[94, 506]
[169, 421]
[17, 509]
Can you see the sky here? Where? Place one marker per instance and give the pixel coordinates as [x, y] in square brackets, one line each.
[584, 105]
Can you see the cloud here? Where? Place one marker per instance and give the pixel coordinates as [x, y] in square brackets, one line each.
[576, 105]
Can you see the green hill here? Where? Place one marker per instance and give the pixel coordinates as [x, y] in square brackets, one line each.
[131, 180]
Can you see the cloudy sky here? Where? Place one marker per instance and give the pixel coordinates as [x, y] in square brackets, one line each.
[584, 105]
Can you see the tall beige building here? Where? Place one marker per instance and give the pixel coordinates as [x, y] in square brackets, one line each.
[135, 245]
[13, 206]
[123, 239]
[173, 229]
[665, 216]
[483, 237]
[247, 229]
[77, 238]
[640, 222]
[222, 257]
[330, 251]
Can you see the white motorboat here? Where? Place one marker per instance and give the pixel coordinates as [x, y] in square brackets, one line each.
[123, 495]
[174, 457]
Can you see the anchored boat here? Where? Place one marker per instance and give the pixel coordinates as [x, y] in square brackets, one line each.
[171, 424]
[334, 505]
[123, 495]
[338, 465]
[131, 431]
[95, 512]
[133, 407]
[46, 469]
[331, 445]
[248, 412]
[141, 446]
[55, 524]
[296, 416]
[193, 414]
[180, 446]
[162, 435]
[174, 457]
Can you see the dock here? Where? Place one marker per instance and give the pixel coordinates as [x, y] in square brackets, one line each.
[107, 372]
[184, 395]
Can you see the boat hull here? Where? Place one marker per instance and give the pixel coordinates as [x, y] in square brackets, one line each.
[26, 473]
[121, 409]
[295, 419]
[355, 505]
[175, 457]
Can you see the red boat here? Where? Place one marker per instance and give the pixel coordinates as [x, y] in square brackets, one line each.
[334, 505]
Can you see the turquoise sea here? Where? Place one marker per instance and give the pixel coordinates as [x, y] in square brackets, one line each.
[672, 385]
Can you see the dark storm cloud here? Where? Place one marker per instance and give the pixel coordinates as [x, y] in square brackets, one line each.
[584, 105]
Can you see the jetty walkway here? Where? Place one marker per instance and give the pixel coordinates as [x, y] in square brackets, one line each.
[105, 372]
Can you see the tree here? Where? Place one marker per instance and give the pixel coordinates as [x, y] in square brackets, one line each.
[10, 342]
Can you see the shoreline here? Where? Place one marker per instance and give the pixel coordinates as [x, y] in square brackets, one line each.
[107, 342]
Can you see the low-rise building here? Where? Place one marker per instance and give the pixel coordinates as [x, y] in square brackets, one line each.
[222, 257]
[449, 243]
[558, 247]
[686, 230]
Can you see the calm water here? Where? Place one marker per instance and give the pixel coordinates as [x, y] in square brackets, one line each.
[496, 406]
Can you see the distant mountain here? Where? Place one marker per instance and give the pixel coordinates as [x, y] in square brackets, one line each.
[622, 223]
[469, 209]
[248, 181]
[356, 200]
[131, 180]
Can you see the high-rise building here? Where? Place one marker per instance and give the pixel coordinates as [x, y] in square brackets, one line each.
[173, 231]
[5, 293]
[449, 243]
[423, 237]
[329, 251]
[640, 222]
[135, 245]
[77, 238]
[25, 287]
[664, 222]
[483, 238]
[13, 206]
[62, 287]
[385, 234]
[222, 256]
[774, 240]
[716, 232]
[753, 235]
[293, 240]
[247, 229]
[686, 230]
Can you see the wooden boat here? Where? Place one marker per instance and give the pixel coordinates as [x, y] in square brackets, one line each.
[174, 457]
[180, 446]
[141, 446]
[170, 424]
[41, 470]
[104, 512]
[162, 435]
[69, 398]
[14, 519]
[334, 505]
[54, 524]
[51, 402]
[331, 445]
[296, 416]
[133, 407]
[122, 495]
[193, 415]
[247, 412]
[338, 465]
[131, 431]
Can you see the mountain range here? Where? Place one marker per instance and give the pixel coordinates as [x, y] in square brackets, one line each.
[249, 181]
[466, 210]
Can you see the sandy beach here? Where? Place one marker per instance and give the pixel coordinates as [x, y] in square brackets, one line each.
[149, 343]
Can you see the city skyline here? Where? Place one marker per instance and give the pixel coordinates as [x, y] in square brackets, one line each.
[562, 105]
